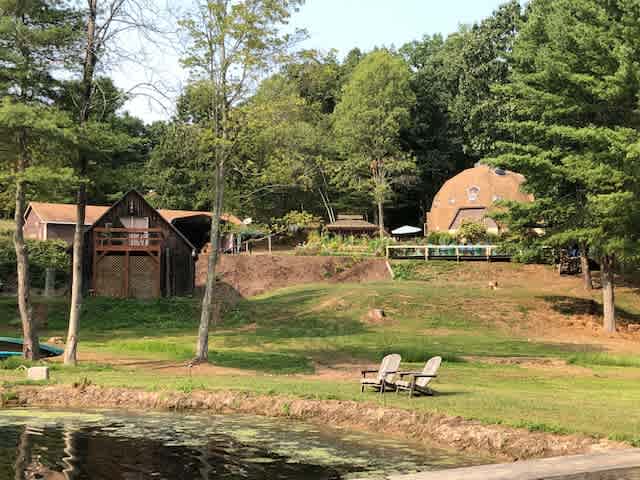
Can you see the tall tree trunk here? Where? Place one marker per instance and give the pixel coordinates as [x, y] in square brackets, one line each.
[71, 347]
[608, 298]
[381, 219]
[75, 309]
[209, 300]
[584, 266]
[30, 346]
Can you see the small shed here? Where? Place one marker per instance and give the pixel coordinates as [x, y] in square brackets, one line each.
[352, 225]
[133, 251]
[56, 221]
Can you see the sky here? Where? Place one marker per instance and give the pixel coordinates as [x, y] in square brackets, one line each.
[339, 24]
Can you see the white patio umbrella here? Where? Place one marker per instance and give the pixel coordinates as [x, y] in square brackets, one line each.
[406, 230]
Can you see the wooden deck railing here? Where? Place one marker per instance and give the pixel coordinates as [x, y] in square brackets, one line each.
[121, 239]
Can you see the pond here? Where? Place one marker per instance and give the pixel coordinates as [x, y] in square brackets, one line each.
[114, 445]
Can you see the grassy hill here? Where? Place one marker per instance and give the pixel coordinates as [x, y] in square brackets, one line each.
[528, 354]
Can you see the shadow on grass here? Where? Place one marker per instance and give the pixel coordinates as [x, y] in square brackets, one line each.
[270, 362]
[585, 306]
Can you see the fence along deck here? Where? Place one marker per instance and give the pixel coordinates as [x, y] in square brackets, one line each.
[448, 252]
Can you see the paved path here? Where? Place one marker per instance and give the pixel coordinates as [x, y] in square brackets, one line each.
[538, 469]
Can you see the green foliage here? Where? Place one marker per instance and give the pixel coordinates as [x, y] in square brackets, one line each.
[375, 106]
[285, 150]
[531, 249]
[456, 109]
[42, 255]
[328, 244]
[176, 168]
[294, 222]
[471, 232]
[441, 238]
[573, 123]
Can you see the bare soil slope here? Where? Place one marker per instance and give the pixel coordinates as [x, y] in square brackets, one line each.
[251, 275]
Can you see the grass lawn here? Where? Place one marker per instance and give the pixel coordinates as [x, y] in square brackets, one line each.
[307, 341]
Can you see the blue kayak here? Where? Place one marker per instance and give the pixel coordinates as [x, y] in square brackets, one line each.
[12, 347]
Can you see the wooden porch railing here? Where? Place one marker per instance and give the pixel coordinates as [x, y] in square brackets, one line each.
[128, 239]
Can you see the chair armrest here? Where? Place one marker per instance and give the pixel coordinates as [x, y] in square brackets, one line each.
[365, 371]
[423, 375]
[404, 374]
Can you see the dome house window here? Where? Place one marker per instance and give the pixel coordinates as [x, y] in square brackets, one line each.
[473, 193]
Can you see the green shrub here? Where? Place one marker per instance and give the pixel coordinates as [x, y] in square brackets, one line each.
[471, 232]
[441, 238]
[42, 255]
[527, 251]
[328, 244]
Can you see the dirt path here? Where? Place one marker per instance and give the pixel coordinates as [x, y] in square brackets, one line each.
[162, 367]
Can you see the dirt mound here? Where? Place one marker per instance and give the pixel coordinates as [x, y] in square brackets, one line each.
[430, 428]
[252, 275]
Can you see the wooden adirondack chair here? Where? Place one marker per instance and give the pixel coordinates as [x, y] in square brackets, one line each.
[389, 365]
[418, 384]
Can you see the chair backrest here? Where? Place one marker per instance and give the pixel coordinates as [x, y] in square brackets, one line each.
[430, 368]
[390, 363]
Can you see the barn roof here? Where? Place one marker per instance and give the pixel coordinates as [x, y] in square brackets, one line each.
[64, 213]
[351, 224]
[138, 194]
[171, 215]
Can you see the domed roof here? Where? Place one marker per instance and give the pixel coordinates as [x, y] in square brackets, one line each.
[470, 194]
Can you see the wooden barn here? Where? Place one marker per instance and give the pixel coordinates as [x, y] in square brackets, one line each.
[132, 250]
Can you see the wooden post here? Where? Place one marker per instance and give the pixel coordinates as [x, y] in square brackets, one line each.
[269, 241]
[158, 263]
[168, 288]
[94, 274]
[49, 282]
[387, 251]
[457, 254]
[126, 275]
[426, 252]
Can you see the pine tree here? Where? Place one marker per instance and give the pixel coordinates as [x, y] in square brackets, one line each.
[573, 120]
[35, 37]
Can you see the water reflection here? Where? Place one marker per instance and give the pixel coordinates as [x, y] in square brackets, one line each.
[56, 454]
[43, 445]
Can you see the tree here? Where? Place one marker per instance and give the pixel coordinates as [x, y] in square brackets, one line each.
[34, 36]
[105, 22]
[433, 135]
[453, 122]
[374, 108]
[285, 147]
[484, 53]
[176, 168]
[572, 127]
[231, 46]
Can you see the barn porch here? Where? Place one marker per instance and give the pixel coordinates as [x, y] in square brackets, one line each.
[127, 262]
